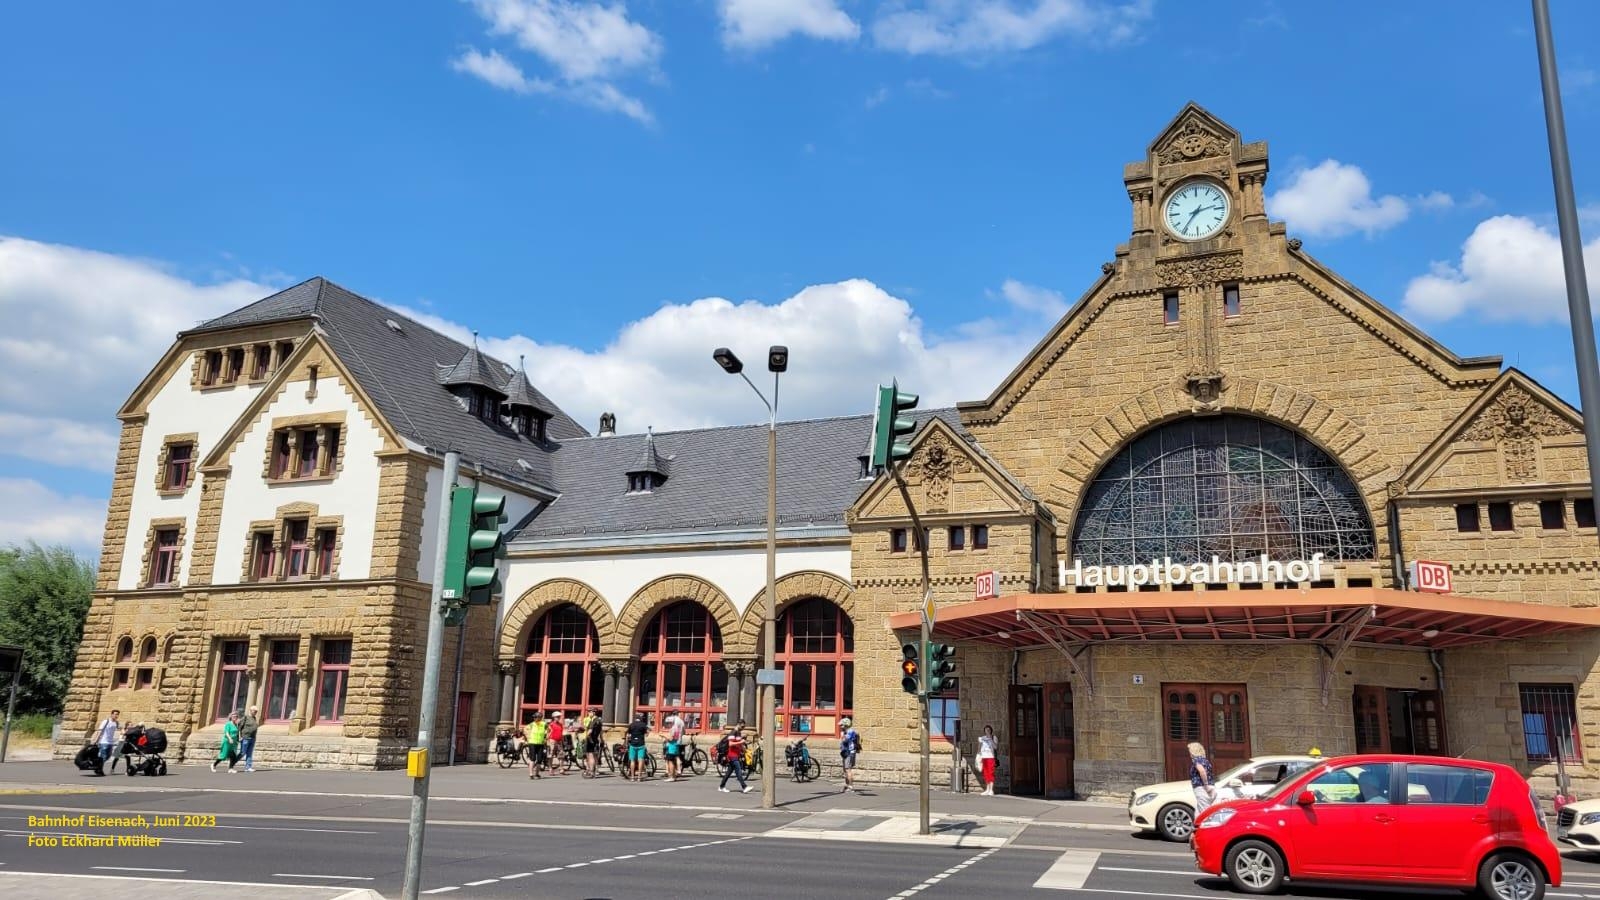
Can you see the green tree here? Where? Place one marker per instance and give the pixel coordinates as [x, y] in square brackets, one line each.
[44, 597]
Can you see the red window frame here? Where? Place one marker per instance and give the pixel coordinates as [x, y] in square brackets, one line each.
[265, 565]
[164, 558]
[682, 647]
[327, 540]
[283, 679]
[233, 679]
[180, 466]
[817, 638]
[281, 445]
[561, 670]
[308, 454]
[333, 671]
[296, 552]
[330, 451]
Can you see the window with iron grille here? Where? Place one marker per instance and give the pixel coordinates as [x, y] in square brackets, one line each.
[1550, 722]
[1228, 486]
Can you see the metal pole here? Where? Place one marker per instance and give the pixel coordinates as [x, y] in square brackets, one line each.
[1571, 241]
[11, 712]
[769, 738]
[455, 690]
[430, 683]
[927, 636]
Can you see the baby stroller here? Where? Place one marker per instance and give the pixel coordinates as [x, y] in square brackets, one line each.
[142, 748]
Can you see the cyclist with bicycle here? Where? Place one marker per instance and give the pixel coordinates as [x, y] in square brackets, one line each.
[537, 731]
[671, 752]
[593, 742]
[734, 747]
[556, 737]
[636, 747]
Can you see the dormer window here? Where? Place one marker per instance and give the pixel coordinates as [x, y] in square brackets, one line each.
[486, 406]
[641, 483]
[868, 470]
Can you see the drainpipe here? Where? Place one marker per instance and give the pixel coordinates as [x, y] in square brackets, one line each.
[1437, 658]
[1396, 551]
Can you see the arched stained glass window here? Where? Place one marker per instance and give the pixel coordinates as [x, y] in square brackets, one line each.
[1233, 487]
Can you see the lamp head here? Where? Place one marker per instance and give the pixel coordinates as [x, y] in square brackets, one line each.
[727, 360]
[777, 358]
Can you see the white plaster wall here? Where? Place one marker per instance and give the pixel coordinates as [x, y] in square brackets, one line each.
[353, 494]
[517, 506]
[741, 574]
[176, 408]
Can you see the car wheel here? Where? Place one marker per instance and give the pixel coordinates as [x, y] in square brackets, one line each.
[1175, 822]
[1511, 876]
[1254, 867]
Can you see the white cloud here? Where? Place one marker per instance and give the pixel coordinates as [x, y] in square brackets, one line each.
[877, 98]
[29, 511]
[1436, 200]
[1333, 199]
[1029, 298]
[587, 45]
[750, 24]
[81, 329]
[979, 28]
[1510, 269]
[842, 337]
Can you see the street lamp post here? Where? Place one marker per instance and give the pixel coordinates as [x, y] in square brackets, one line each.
[777, 364]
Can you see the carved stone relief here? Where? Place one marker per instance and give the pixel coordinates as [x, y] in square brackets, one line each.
[936, 466]
[1517, 422]
[1193, 141]
[1200, 271]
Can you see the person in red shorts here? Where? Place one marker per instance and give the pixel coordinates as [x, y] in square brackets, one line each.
[986, 755]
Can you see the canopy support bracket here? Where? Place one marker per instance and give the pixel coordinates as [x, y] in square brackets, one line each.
[1076, 653]
[1335, 645]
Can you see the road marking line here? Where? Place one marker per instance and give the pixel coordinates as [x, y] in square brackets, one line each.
[576, 865]
[548, 871]
[596, 862]
[135, 869]
[443, 890]
[1193, 872]
[480, 883]
[314, 830]
[933, 881]
[648, 852]
[629, 856]
[264, 884]
[1139, 893]
[515, 877]
[1070, 870]
[335, 877]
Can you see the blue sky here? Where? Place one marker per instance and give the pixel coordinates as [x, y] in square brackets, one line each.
[892, 188]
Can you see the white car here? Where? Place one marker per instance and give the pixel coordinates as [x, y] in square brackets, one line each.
[1168, 808]
[1578, 825]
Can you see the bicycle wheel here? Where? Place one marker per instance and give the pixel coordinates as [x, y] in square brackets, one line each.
[650, 765]
[699, 762]
[808, 770]
[505, 759]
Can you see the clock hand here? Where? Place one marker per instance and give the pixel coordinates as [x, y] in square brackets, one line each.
[1191, 217]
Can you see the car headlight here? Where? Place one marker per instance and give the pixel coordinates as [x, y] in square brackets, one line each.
[1589, 818]
[1144, 798]
[1220, 817]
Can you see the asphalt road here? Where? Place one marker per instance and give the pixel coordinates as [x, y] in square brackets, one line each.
[652, 841]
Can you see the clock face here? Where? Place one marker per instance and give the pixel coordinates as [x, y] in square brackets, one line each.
[1197, 210]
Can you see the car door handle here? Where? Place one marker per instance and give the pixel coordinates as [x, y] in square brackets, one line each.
[1382, 819]
[1480, 819]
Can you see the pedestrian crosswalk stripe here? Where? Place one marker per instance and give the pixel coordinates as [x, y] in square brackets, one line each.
[1069, 871]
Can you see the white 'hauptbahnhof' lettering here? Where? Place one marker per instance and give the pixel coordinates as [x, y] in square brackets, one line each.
[1217, 571]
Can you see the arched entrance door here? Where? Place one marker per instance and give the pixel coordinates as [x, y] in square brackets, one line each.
[561, 672]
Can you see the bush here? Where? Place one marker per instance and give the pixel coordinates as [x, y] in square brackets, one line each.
[34, 725]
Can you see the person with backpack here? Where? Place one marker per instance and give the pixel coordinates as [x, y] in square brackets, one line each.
[593, 742]
[671, 752]
[731, 749]
[537, 730]
[849, 748]
[637, 731]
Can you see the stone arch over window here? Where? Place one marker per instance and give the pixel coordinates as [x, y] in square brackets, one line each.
[662, 592]
[1318, 421]
[1232, 486]
[792, 587]
[542, 598]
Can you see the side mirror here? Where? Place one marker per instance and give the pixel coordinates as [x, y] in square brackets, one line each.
[1234, 783]
[1305, 798]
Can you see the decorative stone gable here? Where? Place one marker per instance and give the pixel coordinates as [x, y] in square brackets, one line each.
[1516, 433]
[1518, 423]
[935, 467]
[944, 475]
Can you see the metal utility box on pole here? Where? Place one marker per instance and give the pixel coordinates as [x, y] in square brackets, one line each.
[417, 763]
[10, 664]
[1583, 345]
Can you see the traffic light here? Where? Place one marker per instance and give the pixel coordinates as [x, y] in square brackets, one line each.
[941, 667]
[910, 667]
[888, 425]
[473, 550]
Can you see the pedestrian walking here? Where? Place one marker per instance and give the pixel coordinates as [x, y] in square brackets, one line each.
[593, 741]
[637, 731]
[247, 737]
[1202, 778]
[536, 731]
[555, 737]
[735, 757]
[987, 750]
[106, 740]
[229, 748]
[674, 737]
[849, 751]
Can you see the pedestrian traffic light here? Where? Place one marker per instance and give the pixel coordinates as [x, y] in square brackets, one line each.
[941, 667]
[474, 548]
[910, 667]
[888, 425]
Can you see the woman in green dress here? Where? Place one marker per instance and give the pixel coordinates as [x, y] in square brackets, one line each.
[230, 743]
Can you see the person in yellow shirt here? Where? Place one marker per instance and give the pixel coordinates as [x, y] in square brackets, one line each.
[536, 732]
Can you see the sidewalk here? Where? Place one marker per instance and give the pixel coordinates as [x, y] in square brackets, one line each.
[44, 886]
[488, 784]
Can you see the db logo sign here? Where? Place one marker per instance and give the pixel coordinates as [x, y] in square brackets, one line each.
[984, 585]
[1433, 577]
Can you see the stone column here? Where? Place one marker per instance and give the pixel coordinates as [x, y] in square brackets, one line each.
[508, 693]
[1253, 185]
[624, 701]
[608, 695]
[735, 689]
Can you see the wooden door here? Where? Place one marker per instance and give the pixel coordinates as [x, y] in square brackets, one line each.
[1025, 740]
[1215, 715]
[1058, 746]
[1371, 708]
[1427, 724]
[463, 725]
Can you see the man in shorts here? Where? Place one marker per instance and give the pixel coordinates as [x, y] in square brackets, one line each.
[536, 731]
[849, 747]
[593, 741]
[554, 738]
[674, 739]
[637, 731]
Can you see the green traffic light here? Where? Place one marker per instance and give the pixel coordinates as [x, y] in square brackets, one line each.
[888, 425]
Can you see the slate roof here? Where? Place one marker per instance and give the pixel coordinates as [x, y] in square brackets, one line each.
[716, 479]
[473, 369]
[399, 369]
[521, 392]
[649, 462]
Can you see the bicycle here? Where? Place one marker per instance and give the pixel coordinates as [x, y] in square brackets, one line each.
[691, 758]
[752, 762]
[802, 765]
[507, 749]
[619, 759]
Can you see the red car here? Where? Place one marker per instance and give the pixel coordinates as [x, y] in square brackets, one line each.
[1398, 820]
